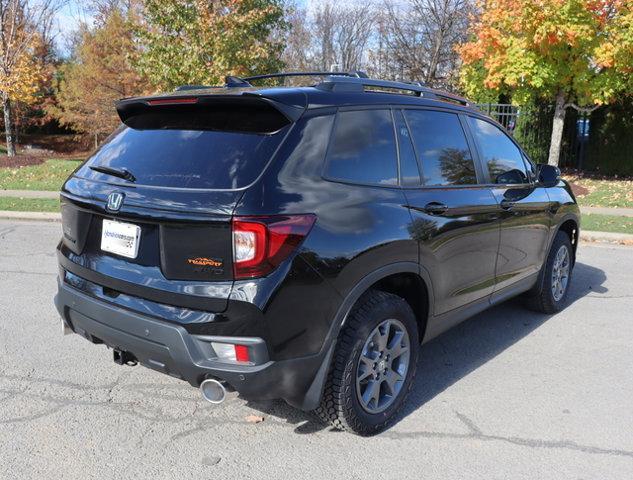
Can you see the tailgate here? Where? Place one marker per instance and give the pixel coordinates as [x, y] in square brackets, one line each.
[181, 255]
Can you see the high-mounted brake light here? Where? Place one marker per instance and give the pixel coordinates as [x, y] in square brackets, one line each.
[172, 101]
[261, 243]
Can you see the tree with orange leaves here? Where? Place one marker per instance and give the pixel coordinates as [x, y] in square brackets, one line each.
[575, 52]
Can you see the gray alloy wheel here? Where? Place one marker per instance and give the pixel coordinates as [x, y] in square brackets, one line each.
[382, 366]
[560, 273]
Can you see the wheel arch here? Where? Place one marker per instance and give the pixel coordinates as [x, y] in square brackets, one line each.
[570, 225]
[387, 277]
[405, 279]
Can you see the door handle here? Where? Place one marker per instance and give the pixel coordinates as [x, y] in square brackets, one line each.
[435, 208]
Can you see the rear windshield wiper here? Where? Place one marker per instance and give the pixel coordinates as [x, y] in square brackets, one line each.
[117, 172]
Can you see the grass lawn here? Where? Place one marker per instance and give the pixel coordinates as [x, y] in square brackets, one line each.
[29, 204]
[48, 176]
[607, 223]
[604, 192]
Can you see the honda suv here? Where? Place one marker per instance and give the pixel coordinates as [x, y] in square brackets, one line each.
[302, 243]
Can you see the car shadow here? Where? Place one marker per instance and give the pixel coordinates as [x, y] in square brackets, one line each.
[456, 353]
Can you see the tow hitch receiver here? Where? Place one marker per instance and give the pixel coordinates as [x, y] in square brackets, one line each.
[124, 358]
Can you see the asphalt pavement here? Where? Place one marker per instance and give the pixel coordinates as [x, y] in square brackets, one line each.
[509, 394]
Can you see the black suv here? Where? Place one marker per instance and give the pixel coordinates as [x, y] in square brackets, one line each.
[302, 243]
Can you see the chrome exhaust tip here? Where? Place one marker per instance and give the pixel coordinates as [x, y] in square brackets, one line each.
[213, 391]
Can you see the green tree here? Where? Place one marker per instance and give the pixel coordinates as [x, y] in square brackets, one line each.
[22, 23]
[199, 42]
[100, 73]
[574, 52]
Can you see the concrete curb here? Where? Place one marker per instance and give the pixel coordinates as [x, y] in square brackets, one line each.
[39, 216]
[30, 194]
[606, 237]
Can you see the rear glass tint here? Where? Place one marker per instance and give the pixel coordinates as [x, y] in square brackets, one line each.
[442, 148]
[186, 158]
[363, 148]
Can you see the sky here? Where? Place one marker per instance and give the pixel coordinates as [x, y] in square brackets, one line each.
[75, 11]
[67, 20]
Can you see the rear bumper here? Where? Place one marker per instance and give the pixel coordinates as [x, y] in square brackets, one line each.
[170, 349]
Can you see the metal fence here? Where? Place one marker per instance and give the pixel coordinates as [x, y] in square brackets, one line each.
[532, 127]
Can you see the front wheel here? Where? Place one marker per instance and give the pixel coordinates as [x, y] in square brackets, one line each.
[550, 294]
[374, 365]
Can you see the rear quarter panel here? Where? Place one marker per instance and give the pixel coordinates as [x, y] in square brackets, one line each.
[564, 207]
[358, 230]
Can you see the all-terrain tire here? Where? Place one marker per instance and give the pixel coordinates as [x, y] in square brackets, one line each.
[541, 298]
[340, 405]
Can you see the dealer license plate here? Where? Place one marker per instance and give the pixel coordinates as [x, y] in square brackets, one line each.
[120, 238]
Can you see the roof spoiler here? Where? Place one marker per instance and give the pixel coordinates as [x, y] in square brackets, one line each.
[130, 108]
[245, 113]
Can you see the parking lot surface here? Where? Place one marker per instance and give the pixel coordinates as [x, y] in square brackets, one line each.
[507, 394]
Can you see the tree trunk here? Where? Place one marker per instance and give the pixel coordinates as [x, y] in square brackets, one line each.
[557, 129]
[6, 105]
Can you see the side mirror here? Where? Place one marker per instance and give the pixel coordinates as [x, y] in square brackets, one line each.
[511, 177]
[548, 175]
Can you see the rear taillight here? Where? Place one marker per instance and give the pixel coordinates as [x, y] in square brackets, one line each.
[261, 243]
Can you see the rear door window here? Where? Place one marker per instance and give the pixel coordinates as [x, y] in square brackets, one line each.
[501, 157]
[182, 158]
[442, 148]
[363, 149]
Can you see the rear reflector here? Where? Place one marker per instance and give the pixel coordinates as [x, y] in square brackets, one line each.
[229, 352]
[261, 244]
[241, 353]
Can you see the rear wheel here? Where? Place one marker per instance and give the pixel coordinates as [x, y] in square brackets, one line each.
[374, 365]
[550, 294]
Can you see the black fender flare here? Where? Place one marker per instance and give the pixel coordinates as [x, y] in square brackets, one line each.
[566, 217]
[563, 219]
[314, 393]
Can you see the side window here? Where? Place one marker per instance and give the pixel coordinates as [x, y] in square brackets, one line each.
[409, 171]
[442, 148]
[500, 155]
[363, 148]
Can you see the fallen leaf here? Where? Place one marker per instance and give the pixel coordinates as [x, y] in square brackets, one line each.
[254, 419]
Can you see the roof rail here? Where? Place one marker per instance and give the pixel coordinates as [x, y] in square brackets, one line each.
[335, 83]
[232, 81]
[355, 81]
[355, 74]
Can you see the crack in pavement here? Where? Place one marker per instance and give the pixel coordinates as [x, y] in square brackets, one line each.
[59, 400]
[475, 433]
[609, 296]
[193, 424]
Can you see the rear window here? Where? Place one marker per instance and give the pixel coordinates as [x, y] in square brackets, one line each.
[187, 157]
[442, 148]
[363, 148]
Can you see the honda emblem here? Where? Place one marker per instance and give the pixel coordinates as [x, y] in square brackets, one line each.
[115, 200]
